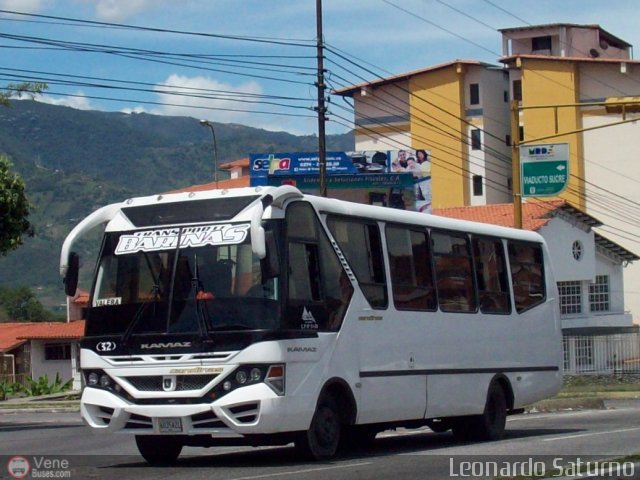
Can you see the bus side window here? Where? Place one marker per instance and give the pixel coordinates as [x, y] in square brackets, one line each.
[491, 275]
[454, 272]
[410, 267]
[304, 282]
[361, 245]
[318, 285]
[527, 274]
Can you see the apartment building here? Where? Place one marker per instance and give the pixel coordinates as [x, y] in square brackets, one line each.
[462, 111]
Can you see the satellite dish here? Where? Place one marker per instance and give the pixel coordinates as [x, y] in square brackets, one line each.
[594, 53]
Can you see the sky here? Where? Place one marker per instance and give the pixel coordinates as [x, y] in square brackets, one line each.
[253, 62]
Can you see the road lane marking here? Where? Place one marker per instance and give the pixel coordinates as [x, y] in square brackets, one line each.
[308, 470]
[578, 435]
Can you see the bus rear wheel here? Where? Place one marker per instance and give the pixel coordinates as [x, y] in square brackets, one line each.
[321, 441]
[490, 424]
[159, 450]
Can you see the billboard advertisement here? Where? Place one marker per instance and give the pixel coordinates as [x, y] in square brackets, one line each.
[381, 176]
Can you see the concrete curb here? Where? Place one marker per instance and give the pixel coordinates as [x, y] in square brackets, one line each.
[60, 409]
[561, 404]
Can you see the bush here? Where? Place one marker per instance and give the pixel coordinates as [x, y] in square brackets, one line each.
[41, 386]
[8, 389]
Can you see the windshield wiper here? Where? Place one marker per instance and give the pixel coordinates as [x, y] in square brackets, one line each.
[155, 291]
[154, 277]
[202, 312]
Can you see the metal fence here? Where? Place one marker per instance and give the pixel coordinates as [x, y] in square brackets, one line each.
[602, 354]
[20, 378]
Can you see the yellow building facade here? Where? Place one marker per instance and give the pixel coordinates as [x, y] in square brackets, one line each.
[444, 110]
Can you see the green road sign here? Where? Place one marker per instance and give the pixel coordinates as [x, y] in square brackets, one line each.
[544, 169]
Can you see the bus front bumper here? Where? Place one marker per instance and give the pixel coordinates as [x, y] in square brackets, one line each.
[250, 410]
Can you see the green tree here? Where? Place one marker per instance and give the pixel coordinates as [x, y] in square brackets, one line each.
[20, 89]
[14, 208]
[19, 304]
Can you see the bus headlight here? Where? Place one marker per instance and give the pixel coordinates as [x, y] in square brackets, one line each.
[241, 377]
[255, 375]
[105, 381]
[98, 379]
[92, 379]
[245, 375]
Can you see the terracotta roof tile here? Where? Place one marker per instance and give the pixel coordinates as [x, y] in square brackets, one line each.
[45, 330]
[9, 333]
[242, 163]
[535, 215]
[14, 334]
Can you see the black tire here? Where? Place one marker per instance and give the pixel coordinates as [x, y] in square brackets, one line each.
[159, 450]
[488, 426]
[322, 439]
[440, 426]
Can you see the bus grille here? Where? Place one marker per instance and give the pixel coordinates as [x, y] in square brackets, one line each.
[183, 382]
[139, 422]
[105, 414]
[206, 420]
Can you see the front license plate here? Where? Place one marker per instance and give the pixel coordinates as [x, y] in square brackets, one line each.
[170, 425]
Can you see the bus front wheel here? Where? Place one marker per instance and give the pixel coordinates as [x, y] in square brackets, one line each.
[159, 450]
[321, 441]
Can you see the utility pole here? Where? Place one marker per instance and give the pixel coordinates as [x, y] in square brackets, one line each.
[322, 148]
[516, 188]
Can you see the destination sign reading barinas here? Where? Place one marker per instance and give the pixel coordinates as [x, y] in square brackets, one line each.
[167, 238]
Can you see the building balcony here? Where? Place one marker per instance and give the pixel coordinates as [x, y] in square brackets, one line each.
[597, 320]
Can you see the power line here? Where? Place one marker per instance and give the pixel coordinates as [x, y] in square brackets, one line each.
[472, 42]
[455, 134]
[199, 55]
[76, 21]
[378, 135]
[141, 55]
[200, 107]
[42, 76]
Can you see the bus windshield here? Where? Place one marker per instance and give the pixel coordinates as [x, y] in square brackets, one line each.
[181, 280]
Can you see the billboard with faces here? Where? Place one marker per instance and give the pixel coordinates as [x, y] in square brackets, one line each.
[405, 174]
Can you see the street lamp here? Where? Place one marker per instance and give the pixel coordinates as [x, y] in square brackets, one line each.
[207, 123]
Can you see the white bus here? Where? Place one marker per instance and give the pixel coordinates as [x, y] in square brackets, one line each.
[263, 316]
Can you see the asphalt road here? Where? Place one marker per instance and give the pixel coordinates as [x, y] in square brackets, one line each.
[533, 442]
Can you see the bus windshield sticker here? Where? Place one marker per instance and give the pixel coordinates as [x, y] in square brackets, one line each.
[167, 238]
[308, 320]
[107, 302]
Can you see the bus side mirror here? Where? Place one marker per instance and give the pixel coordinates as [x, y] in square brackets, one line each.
[270, 264]
[71, 277]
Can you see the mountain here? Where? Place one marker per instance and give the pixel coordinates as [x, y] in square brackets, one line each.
[75, 161]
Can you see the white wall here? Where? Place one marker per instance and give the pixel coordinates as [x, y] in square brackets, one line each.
[382, 103]
[612, 172]
[40, 366]
[388, 141]
[496, 120]
[602, 80]
[604, 266]
[560, 236]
